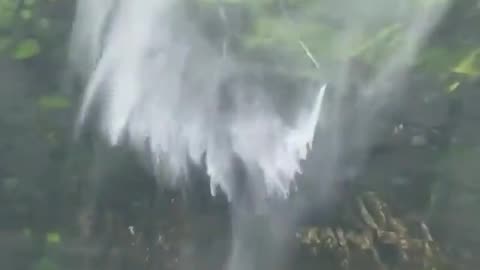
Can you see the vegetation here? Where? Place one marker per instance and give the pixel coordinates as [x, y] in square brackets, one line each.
[417, 199]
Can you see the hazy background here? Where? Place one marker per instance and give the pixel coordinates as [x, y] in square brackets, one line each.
[410, 136]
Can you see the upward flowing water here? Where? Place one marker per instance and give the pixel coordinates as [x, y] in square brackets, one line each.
[158, 84]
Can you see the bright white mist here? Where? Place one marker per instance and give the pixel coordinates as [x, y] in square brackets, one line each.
[160, 92]
[156, 83]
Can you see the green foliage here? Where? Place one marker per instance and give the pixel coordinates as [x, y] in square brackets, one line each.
[7, 13]
[53, 102]
[53, 238]
[46, 264]
[272, 31]
[26, 49]
[27, 28]
[470, 65]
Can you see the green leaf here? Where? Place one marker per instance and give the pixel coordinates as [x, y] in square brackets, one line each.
[469, 65]
[7, 13]
[26, 49]
[26, 14]
[53, 238]
[452, 87]
[29, 2]
[53, 102]
[374, 43]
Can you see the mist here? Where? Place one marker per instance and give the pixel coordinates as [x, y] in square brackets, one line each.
[158, 82]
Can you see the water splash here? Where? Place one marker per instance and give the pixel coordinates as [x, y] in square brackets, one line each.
[159, 84]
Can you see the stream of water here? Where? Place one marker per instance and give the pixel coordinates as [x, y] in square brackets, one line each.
[156, 83]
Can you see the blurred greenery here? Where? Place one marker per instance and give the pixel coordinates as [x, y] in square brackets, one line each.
[46, 264]
[27, 48]
[53, 102]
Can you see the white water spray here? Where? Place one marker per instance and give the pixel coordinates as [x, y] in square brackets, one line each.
[159, 90]
[157, 84]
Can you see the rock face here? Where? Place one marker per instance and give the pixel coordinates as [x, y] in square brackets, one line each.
[429, 161]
